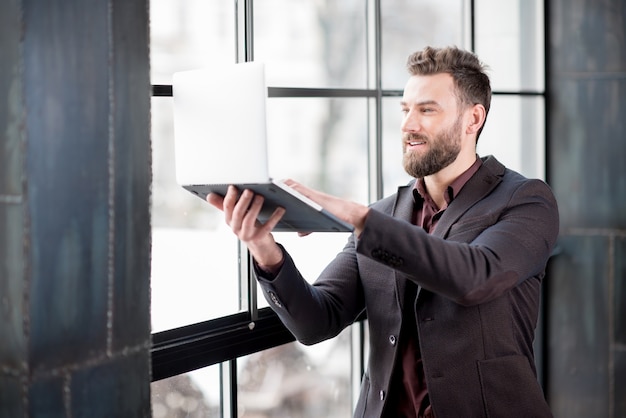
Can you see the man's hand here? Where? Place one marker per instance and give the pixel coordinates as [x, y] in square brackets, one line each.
[241, 213]
[350, 212]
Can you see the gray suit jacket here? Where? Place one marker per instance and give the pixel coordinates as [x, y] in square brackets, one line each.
[478, 277]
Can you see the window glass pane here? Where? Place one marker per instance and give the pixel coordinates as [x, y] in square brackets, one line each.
[393, 173]
[187, 34]
[409, 25]
[187, 233]
[311, 43]
[514, 134]
[194, 256]
[294, 380]
[310, 254]
[510, 40]
[193, 395]
[321, 143]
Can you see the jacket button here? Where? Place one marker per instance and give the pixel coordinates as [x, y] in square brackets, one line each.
[382, 395]
[392, 339]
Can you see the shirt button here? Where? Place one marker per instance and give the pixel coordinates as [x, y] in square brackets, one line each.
[382, 395]
[392, 339]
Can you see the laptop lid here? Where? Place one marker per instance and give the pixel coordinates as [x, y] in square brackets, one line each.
[219, 125]
[220, 139]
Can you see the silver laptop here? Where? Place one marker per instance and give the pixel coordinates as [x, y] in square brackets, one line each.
[220, 139]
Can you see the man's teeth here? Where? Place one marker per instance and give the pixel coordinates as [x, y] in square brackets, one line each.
[412, 143]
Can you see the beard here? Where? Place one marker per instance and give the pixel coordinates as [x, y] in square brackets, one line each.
[444, 148]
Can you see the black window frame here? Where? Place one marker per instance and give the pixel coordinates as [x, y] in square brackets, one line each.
[223, 340]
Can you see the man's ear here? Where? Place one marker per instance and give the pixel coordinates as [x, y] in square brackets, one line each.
[477, 117]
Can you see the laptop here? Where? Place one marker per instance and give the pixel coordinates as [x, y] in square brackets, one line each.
[220, 140]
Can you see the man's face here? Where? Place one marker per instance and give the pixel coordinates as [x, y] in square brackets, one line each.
[431, 125]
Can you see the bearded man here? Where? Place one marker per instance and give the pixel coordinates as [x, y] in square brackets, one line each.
[448, 270]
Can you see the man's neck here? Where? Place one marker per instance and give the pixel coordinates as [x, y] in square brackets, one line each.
[438, 183]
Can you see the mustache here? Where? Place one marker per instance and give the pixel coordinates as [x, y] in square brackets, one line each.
[410, 136]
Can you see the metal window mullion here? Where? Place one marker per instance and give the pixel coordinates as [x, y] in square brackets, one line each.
[375, 169]
[357, 351]
[228, 389]
[244, 51]
[244, 31]
[471, 16]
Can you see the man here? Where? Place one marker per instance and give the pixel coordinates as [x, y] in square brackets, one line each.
[448, 269]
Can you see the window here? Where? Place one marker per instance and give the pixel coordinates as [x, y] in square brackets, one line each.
[335, 72]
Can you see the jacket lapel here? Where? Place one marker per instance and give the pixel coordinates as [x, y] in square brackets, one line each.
[403, 209]
[481, 184]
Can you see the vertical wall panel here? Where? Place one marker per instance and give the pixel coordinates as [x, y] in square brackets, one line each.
[132, 171]
[112, 390]
[12, 336]
[12, 236]
[66, 77]
[11, 102]
[11, 404]
[75, 181]
[577, 332]
[47, 397]
[619, 331]
[619, 289]
[586, 148]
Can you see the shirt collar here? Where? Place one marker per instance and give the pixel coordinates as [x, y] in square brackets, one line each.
[453, 189]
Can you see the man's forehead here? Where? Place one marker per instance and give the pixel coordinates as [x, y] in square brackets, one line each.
[432, 87]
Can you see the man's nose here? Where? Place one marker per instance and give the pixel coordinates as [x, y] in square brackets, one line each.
[410, 122]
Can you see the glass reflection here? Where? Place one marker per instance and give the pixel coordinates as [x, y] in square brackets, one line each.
[515, 134]
[409, 25]
[191, 395]
[510, 39]
[294, 380]
[188, 34]
[320, 142]
[311, 43]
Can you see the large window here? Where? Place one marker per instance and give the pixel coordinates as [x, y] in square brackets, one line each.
[335, 71]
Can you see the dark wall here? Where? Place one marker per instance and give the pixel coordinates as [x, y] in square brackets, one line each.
[74, 208]
[586, 300]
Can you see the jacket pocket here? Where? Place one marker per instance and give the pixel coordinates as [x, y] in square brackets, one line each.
[510, 388]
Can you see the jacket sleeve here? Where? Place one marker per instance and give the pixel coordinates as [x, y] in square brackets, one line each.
[491, 248]
[319, 311]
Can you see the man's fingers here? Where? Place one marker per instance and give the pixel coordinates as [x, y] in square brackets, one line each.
[216, 200]
[253, 210]
[239, 208]
[274, 219]
[242, 210]
[312, 194]
[232, 195]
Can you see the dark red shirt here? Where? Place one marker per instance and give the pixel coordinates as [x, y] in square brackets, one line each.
[409, 391]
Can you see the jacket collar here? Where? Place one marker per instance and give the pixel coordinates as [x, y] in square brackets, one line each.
[488, 176]
[481, 184]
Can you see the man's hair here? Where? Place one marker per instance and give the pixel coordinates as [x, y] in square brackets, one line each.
[470, 79]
